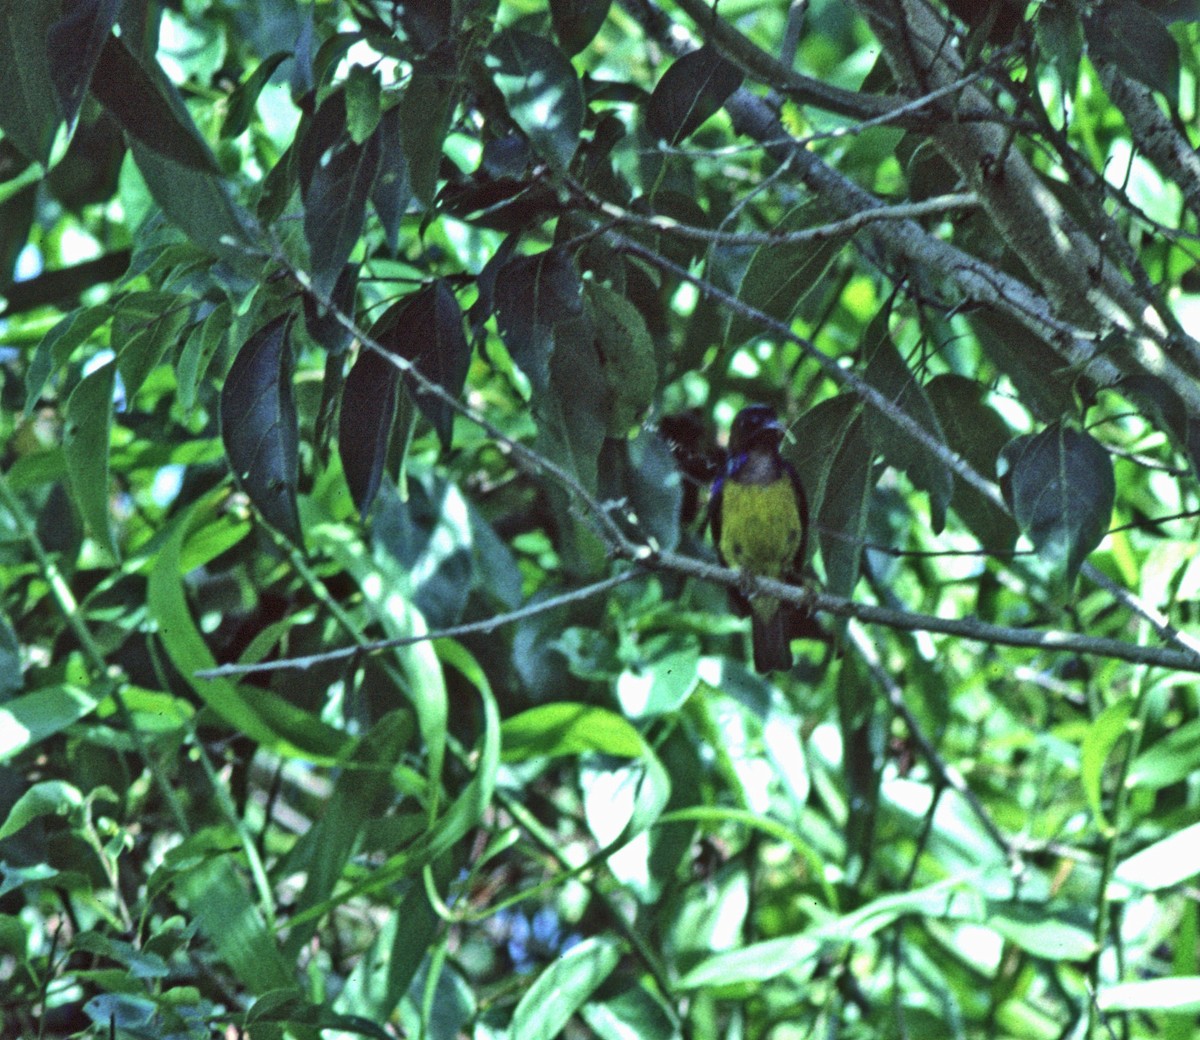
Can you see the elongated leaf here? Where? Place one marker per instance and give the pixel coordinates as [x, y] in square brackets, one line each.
[576, 22]
[136, 93]
[1180, 994]
[85, 441]
[1136, 42]
[627, 358]
[552, 730]
[690, 91]
[1098, 743]
[427, 329]
[1171, 861]
[425, 110]
[29, 111]
[27, 720]
[245, 97]
[755, 963]
[74, 45]
[887, 372]
[50, 797]
[780, 276]
[368, 415]
[1059, 484]
[259, 426]
[1173, 758]
[541, 91]
[391, 192]
[563, 988]
[533, 295]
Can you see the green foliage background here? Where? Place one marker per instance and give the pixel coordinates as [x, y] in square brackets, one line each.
[356, 321]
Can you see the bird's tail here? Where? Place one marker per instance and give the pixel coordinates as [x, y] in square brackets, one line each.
[769, 631]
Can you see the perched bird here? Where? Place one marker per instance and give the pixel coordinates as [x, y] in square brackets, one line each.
[759, 518]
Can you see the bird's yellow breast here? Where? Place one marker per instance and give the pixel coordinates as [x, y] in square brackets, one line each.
[760, 526]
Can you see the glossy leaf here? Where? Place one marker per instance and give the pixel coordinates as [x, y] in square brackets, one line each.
[368, 414]
[887, 372]
[245, 97]
[259, 426]
[690, 91]
[533, 296]
[1059, 484]
[138, 94]
[576, 22]
[541, 91]
[29, 113]
[562, 989]
[779, 276]
[86, 443]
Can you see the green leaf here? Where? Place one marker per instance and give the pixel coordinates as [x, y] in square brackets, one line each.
[362, 103]
[887, 372]
[29, 114]
[48, 798]
[261, 715]
[73, 47]
[1133, 39]
[1059, 484]
[780, 276]
[754, 963]
[28, 720]
[690, 91]
[633, 1014]
[368, 415]
[976, 432]
[427, 329]
[627, 358]
[1059, 33]
[335, 202]
[57, 346]
[1173, 758]
[1180, 995]
[391, 192]
[542, 93]
[553, 730]
[533, 297]
[141, 352]
[220, 904]
[425, 110]
[563, 988]
[142, 100]
[576, 22]
[1035, 930]
[1101, 737]
[243, 100]
[86, 443]
[259, 426]
[1168, 862]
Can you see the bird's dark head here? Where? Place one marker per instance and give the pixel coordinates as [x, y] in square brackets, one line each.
[755, 427]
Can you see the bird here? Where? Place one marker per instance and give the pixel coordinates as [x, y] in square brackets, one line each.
[759, 518]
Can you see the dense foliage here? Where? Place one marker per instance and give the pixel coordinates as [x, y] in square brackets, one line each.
[365, 668]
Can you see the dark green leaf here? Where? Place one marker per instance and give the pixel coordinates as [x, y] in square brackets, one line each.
[16, 221]
[335, 206]
[1167, 411]
[627, 358]
[362, 103]
[1059, 484]
[976, 432]
[367, 417]
[1034, 368]
[245, 97]
[28, 720]
[780, 276]
[259, 426]
[1060, 34]
[85, 440]
[690, 91]
[391, 191]
[141, 98]
[532, 296]
[74, 45]
[1126, 34]
[425, 110]
[29, 112]
[887, 372]
[576, 22]
[541, 91]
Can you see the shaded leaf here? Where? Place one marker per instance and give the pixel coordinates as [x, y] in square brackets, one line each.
[47, 798]
[780, 276]
[368, 415]
[391, 191]
[1133, 39]
[576, 22]
[627, 358]
[541, 91]
[28, 720]
[532, 296]
[244, 99]
[57, 346]
[138, 96]
[1059, 484]
[259, 427]
[1059, 33]
[29, 114]
[73, 47]
[887, 372]
[425, 109]
[86, 443]
[690, 91]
